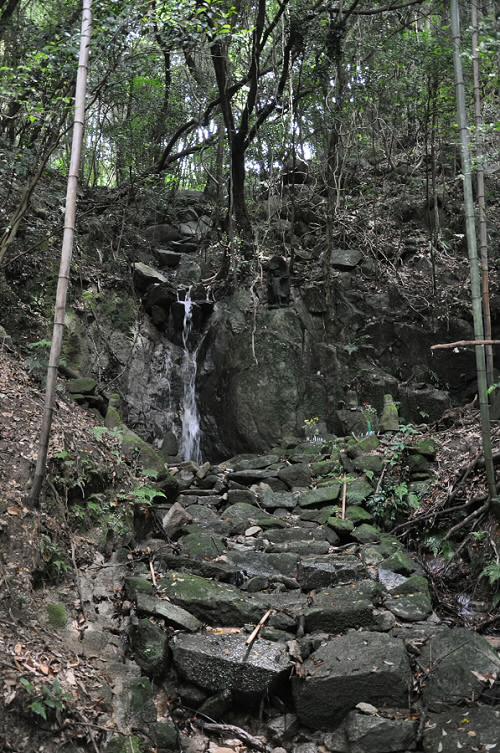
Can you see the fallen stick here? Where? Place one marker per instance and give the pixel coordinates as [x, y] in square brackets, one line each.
[152, 571]
[255, 632]
[464, 344]
[230, 729]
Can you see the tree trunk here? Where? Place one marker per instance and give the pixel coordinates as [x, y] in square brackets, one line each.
[239, 206]
[66, 251]
[483, 231]
[475, 278]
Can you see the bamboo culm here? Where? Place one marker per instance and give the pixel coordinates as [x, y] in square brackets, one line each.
[475, 277]
[66, 250]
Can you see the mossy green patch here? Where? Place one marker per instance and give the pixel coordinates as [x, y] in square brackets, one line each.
[57, 615]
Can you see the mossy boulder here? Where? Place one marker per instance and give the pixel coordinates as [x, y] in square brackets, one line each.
[358, 490]
[323, 467]
[357, 447]
[399, 562]
[366, 533]
[135, 584]
[202, 544]
[342, 527]
[319, 516]
[57, 615]
[373, 463]
[358, 514]
[211, 602]
[165, 736]
[426, 447]
[137, 449]
[149, 644]
[320, 496]
[125, 744]
[81, 386]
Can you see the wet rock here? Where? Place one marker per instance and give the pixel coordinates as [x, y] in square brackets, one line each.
[458, 664]
[338, 609]
[376, 734]
[172, 614]
[296, 476]
[149, 644]
[320, 496]
[369, 667]
[224, 662]
[322, 571]
[213, 603]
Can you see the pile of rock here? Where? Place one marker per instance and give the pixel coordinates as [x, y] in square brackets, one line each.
[350, 657]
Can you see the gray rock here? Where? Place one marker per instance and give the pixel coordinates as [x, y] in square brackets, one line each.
[203, 544]
[411, 600]
[175, 520]
[468, 731]
[250, 476]
[322, 571]
[241, 516]
[369, 667]
[213, 603]
[224, 662]
[320, 496]
[267, 565]
[376, 734]
[455, 660]
[205, 517]
[274, 500]
[297, 475]
[144, 276]
[172, 614]
[168, 259]
[149, 644]
[251, 462]
[346, 259]
[282, 728]
[241, 495]
[338, 609]
[300, 547]
[161, 234]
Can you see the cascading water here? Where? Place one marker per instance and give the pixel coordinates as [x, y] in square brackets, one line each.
[191, 432]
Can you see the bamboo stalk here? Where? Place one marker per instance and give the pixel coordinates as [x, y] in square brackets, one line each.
[475, 279]
[464, 344]
[66, 250]
[481, 201]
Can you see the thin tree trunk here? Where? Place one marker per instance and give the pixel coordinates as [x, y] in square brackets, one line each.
[483, 231]
[475, 278]
[67, 249]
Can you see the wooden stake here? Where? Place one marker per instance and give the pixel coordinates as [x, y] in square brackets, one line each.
[255, 632]
[344, 498]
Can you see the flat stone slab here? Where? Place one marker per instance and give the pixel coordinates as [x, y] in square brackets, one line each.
[273, 500]
[329, 570]
[455, 660]
[213, 603]
[377, 734]
[265, 564]
[338, 609]
[349, 669]
[224, 662]
[346, 259]
[251, 463]
[242, 515]
[250, 477]
[172, 614]
[323, 495]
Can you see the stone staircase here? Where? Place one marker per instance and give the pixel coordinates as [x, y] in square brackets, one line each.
[349, 656]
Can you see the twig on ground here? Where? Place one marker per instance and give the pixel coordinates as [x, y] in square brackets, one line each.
[466, 521]
[231, 729]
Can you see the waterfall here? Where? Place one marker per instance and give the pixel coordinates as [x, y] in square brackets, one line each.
[191, 433]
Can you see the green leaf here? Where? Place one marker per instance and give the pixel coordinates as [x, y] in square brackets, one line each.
[37, 707]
